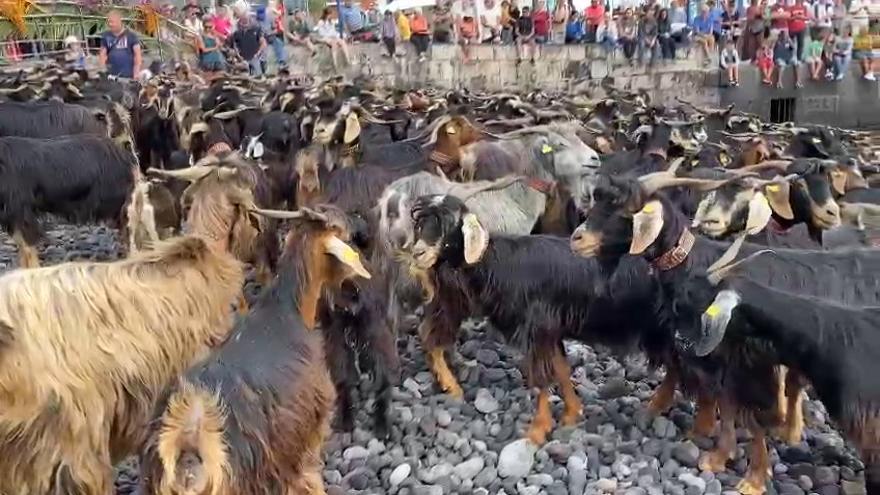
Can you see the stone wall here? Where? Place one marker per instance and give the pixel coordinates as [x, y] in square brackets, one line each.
[853, 102]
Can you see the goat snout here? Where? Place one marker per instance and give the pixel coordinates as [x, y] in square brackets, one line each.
[827, 215]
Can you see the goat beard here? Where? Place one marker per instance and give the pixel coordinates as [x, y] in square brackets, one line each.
[421, 275]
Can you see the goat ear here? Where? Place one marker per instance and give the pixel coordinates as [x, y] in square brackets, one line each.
[778, 194]
[759, 214]
[647, 225]
[346, 255]
[714, 322]
[476, 239]
[352, 128]
[838, 180]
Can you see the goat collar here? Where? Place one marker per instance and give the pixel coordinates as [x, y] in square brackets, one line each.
[541, 185]
[675, 256]
[447, 163]
[350, 149]
[776, 227]
[657, 152]
[219, 147]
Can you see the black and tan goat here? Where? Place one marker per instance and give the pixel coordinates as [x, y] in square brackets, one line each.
[81, 178]
[251, 419]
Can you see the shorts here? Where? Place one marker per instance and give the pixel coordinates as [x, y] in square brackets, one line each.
[784, 63]
[814, 60]
[863, 55]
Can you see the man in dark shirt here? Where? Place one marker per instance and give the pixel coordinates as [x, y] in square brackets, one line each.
[120, 48]
[250, 43]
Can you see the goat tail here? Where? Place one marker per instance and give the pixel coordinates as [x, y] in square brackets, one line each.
[191, 445]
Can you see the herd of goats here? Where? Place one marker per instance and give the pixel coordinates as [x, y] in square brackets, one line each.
[741, 256]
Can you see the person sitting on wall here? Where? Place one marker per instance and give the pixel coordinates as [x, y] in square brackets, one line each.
[784, 55]
[490, 23]
[704, 34]
[595, 16]
[764, 61]
[843, 46]
[813, 54]
[525, 41]
[353, 19]
[468, 34]
[730, 61]
[574, 30]
[541, 20]
[864, 54]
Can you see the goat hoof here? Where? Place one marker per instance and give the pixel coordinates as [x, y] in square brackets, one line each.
[382, 431]
[537, 436]
[571, 418]
[455, 391]
[714, 462]
[751, 487]
[659, 404]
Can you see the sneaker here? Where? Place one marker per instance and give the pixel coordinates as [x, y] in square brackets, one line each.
[870, 76]
[839, 78]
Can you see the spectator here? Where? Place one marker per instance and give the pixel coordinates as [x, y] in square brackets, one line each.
[541, 20]
[764, 59]
[823, 11]
[784, 56]
[678, 25]
[664, 35]
[863, 53]
[490, 23]
[595, 16]
[858, 18]
[525, 41]
[608, 35]
[828, 54]
[352, 19]
[703, 34]
[754, 34]
[627, 32]
[223, 22]
[813, 54]
[444, 24]
[300, 31]
[716, 14]
[193, 8]
[120, 50]
[508, 23]
[798, 15]
[250, 43]
[731, 22]
[192, 22]
[838, 16]
[648, 33]
[468, 34]
[277, 33]
[420, 37]
[778, 20]
[730, 61]
[843, 46]
[329, 35]
[388, 32]
[210, 57]
[403, 26]
[560, 19]
[574, 30]
[74, 54]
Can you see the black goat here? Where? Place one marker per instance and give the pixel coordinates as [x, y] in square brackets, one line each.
[54, 119]
[80, 178]
[532, 288]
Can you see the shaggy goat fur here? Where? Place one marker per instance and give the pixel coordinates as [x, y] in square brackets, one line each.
[48, 120]
[81, 370]
[251, 419]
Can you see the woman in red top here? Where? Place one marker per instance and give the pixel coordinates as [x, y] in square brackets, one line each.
[595, 16]
[797, 26]
[541, 18]
[467, 33]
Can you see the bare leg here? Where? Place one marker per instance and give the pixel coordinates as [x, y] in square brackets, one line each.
[27, 254]
[704, 423]
[759, 465]
[665, 393]
[725, 449]
[543, 420]
[573, 405]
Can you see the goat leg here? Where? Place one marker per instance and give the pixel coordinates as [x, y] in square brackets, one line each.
[444, 376]
[381, 407]
[27, 254]
[716, 460]
[704, 423]
[312, 484]
[542, 423]
[665, 393]
[573, 406]
[781, 398]
[759, 465]
[794, 419]
[241, 305]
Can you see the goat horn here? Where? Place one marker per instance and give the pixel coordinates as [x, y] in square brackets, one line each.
[781, 165]
[652, 183]
[302, 213]
[723, 267]
[369, 117]
[435, 128]
[494, 185]
[191, 174]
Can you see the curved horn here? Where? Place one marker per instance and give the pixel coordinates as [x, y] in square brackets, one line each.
[494, 185]
[191, 174]
[369, 117]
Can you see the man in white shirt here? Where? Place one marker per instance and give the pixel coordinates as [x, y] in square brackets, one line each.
[490, 22]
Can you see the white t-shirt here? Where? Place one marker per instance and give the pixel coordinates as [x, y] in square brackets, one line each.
[492, 17]
[327, 29]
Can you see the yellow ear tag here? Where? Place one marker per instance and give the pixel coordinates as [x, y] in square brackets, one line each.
[450, 130]
[471, 221]
[349, 255]
[546, 149]
[712, 311]
[816, 140]
[773, 188]
[649, 208]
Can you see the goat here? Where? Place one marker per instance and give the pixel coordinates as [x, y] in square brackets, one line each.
[53, 119]
[81, 178]
[831, 344]
[235, 425]
[100, 344]
[532, 288]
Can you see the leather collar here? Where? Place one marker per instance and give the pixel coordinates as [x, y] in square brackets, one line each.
[675, 256]
[777, 227]
[350, 149]
[543, 186]
[447, 163]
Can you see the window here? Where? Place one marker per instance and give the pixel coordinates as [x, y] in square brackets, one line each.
[782, 110]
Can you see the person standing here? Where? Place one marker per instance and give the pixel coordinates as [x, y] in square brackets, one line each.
[664, 35]
[525, 40]
[798, 14]
[541, 20]
[595, 16]
[490, 23]
[754, 33]
[560, 19]
[388, 31]
[403, 26]
[277, 32]
[420, 33]
[121, 51]
[250, 43]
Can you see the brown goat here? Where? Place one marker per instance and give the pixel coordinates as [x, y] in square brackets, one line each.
[252, 418]
[88, 347]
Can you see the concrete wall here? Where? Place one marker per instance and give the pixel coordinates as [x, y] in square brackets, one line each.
[852, 102]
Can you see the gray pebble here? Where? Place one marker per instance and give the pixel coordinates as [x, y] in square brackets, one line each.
[485, 402]
[469, 469]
